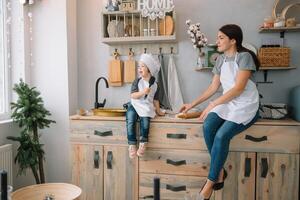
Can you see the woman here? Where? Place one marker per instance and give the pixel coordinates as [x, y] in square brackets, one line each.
[235, 110]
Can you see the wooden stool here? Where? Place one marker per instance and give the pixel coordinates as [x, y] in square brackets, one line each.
[59, 191]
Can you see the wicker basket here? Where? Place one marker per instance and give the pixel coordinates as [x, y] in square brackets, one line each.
[274, 56]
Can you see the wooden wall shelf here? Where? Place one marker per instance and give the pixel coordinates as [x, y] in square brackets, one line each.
[130, 27]
[276, 68]
[138, 40]
[280, 29]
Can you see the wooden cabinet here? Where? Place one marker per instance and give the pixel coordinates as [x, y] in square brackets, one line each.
[87, 170]
[100, 162]
[261, 176]
[263, 162]
[277, 176]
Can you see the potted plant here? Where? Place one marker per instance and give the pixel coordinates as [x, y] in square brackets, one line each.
[30, 114]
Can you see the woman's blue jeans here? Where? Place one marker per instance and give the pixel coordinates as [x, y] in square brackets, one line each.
[131, 119]
[218, 133]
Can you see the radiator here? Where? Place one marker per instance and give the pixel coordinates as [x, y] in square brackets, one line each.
[6, 161]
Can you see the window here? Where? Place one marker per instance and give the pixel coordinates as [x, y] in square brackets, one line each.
[4, 68]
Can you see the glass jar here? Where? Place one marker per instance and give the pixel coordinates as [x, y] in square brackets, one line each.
[279, 21]
[152, 32]
[268, 22]
[145, 32]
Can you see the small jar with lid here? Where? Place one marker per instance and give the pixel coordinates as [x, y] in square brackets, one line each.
[268, 22]
[279, 21]
[152, 32]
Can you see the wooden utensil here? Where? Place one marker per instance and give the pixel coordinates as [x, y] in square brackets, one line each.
[115, 71]
[166, 26]
[129, 68]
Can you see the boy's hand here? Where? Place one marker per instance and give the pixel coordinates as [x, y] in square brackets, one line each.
[160, 113]
[147, 91]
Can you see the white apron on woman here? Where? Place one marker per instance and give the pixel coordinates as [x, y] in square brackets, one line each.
[243, 108]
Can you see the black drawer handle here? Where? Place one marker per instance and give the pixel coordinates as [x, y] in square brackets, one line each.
[109, 159]
[148, 197]
[96, 159]
[176, 163]
[103, 134]
[156, 188]
[254, 139]
[176, 135]
[247, 167]
[264, 167]
[176, 188]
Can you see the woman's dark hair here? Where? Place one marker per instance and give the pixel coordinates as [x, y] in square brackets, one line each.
[235, 32]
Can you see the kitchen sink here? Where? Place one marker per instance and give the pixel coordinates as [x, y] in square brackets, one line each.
[109, 112]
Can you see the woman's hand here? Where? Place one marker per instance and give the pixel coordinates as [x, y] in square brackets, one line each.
[185, 107]
[205, 112]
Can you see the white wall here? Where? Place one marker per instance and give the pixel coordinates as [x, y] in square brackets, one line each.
[50, 76]
[54, 73]
[93, 55]
[72, 55]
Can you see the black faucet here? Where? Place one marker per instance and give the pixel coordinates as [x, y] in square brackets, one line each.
[97, 105]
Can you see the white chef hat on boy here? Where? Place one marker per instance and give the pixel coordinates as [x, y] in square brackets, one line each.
[152, 63]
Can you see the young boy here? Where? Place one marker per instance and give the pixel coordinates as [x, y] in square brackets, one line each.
[143, 103]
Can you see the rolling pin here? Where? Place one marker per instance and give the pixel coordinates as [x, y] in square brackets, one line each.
[189, 115]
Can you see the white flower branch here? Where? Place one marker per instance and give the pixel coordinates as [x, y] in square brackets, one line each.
[197, 37]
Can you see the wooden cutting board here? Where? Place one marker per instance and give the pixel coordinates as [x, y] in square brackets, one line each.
[115, 71]
[129, 69]
[166, 26]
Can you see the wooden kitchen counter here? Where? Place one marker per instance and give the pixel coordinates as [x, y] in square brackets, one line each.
[172, 119]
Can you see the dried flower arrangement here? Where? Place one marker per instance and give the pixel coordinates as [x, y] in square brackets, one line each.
[197, 37]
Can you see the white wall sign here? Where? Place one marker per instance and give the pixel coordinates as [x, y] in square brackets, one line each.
[155, 8]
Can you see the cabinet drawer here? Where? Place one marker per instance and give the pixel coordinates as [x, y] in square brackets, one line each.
[179, 136]
[179, 162]
[281, 139]
[98, 131]
[171, 187]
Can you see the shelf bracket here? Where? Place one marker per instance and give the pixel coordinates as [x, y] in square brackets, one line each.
[282, 34]
[265, 78]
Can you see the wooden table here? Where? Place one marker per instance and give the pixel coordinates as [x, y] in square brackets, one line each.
[59, 191]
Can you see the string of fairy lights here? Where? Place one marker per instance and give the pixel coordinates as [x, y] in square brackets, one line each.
[8, 36]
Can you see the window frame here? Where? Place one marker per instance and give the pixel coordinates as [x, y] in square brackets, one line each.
[6, 61]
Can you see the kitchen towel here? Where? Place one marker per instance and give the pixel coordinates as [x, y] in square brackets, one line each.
[162, 79]
[174, 91]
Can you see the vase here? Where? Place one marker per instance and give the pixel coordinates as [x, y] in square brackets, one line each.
[200, 59]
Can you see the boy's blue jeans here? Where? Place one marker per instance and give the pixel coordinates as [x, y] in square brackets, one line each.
[131, 119]
[217, 134]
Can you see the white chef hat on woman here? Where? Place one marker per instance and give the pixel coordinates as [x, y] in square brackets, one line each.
[151, 62]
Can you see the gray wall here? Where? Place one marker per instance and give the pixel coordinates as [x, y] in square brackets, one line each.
[93, 55]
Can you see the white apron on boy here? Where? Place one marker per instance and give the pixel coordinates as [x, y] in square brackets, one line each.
[144, 107]
[243, 108]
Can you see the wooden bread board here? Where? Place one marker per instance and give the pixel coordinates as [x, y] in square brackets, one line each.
[115, 72]
[166, 26]
[129, 69]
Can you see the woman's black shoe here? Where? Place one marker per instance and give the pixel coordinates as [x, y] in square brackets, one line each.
[219, 186]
